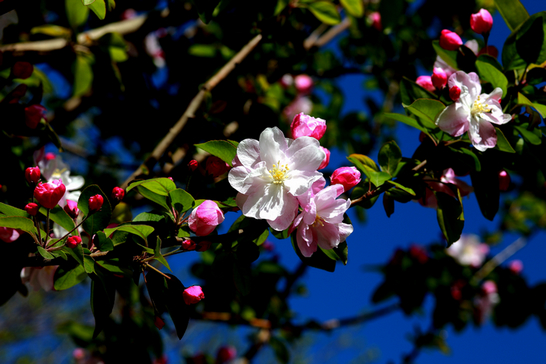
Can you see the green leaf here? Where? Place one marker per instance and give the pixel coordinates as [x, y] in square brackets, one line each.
[407, 120]
[181, 201]
[83, 75]
[522, 100]
[103, 294]
[59, 216]
[203, 50]
[486, 189]
[114, 266]
[403, 188]
[353, 7]
[449, 57]
[489, 72]
[18, 222]
[526, 44]
[325, 11]
[158, 256]
[528, 135]
[389, 157]
[88, 264]
[450, 216]
[59, 253]
[99, 8]
[76, 13]
[12, 211]
[281, 5]
[160, 186]
[76, 253]
[103, 243]
[279, 348]
[100, 219]
[141, 231]
[54, 30]
[513, 12]
[44, 253]
[410, 91]
[369, 168]
[502, 143]
[67, 277]
[225, 150]
[427, 110]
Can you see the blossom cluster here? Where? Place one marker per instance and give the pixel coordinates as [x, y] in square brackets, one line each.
[278, 181]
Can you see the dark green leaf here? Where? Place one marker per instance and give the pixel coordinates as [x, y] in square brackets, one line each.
[450, 216]
[410, 91]
[529, 44]
[486, 189]
[502, 143]
[490, 73]
[449, 57]
[99, 8]
[181, 201]
[59, 216]
[403, 188]
[102, 242]
[389, 157]
[523, 39]
[407, 120]
[12, 211]
[279, 348]
[325, 11]
[139, 230]
[159, 186]
[528, 135]
[158, 256]
[223, 149]
[88, 264]
[68, 276]
[44, 253]
[83, 74]
[513, 12]
[427, 110]
[17, 222]
[103, 295]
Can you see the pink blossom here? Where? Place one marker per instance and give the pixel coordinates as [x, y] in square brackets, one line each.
[481, 22]
[321, 221]
[270, 173]
[49, 194]
[40, 277]
[204, 219]
[468, 250]
[426, 83]
[473, 112]
[305, 125]
[193, 294]
[303, 84]
[450, 40]
[8, 235]
[346, 176]
[375, 18]
[299, 104]
[326, 160]
[484, 303]
[515, 266]
[438, 78]
[71, 208]
[118, 194]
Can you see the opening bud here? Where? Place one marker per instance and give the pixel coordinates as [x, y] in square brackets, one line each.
[438, 78]
[346, 176]
[71, 208]
[450, 40]
[188, 245]
[192, 165]
[193, 294]
[118, 194]
[426, 83]
[49, 194]
[454, 93]
[326, 159]
[32, 208]
[73, 241]
[481, 22]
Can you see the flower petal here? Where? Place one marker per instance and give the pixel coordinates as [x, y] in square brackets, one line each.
[305, 154]
[486, 138]
[299, 182]
[454, 119]
[307, 240]
[273, 145]
[248, 152]
[289, 212]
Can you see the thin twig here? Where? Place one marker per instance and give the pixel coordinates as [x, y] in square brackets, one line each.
[419, 166]
[499, 259]
[330, 34]
[193, 106]
[157, 270]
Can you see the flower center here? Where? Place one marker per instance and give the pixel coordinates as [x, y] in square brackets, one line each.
[318, 221]
[279, 172]
[479, 107]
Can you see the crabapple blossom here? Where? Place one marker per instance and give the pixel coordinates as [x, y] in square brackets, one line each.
[271, 172]
[425, 82]
[299, 104]
[481, 22]
[468, 250]
[484, 303]
[71, 208]
[39, 277]
[49, 194]
[450, 40]
[305, 125]
[204, 219]
[473, 112]
[193, 294]
[321, 221]
[346, 176]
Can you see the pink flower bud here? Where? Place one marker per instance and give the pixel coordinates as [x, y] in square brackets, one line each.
[454, 93]
[216, 167]
[326, 159]
[118, 194]
[32, 208]
[481, 22]
[22, 70]
[375, 17]
[225, 354]
[49, 194]
[78, 354]
[450, 40]
[438, 78]
[192, 165]
[71, 208]
[204, 219]
[305, 125]
[159, 323]
[188, 245]
[426, 83]
[489, 287]
[33, 115]
[32, 174]
[504, 180]
[303, 84]
[193, 294]
[346, 176]
[50, 156]
[8, 235]
[73, 241]
[516, 266]
[203, 246]
[95, 203]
